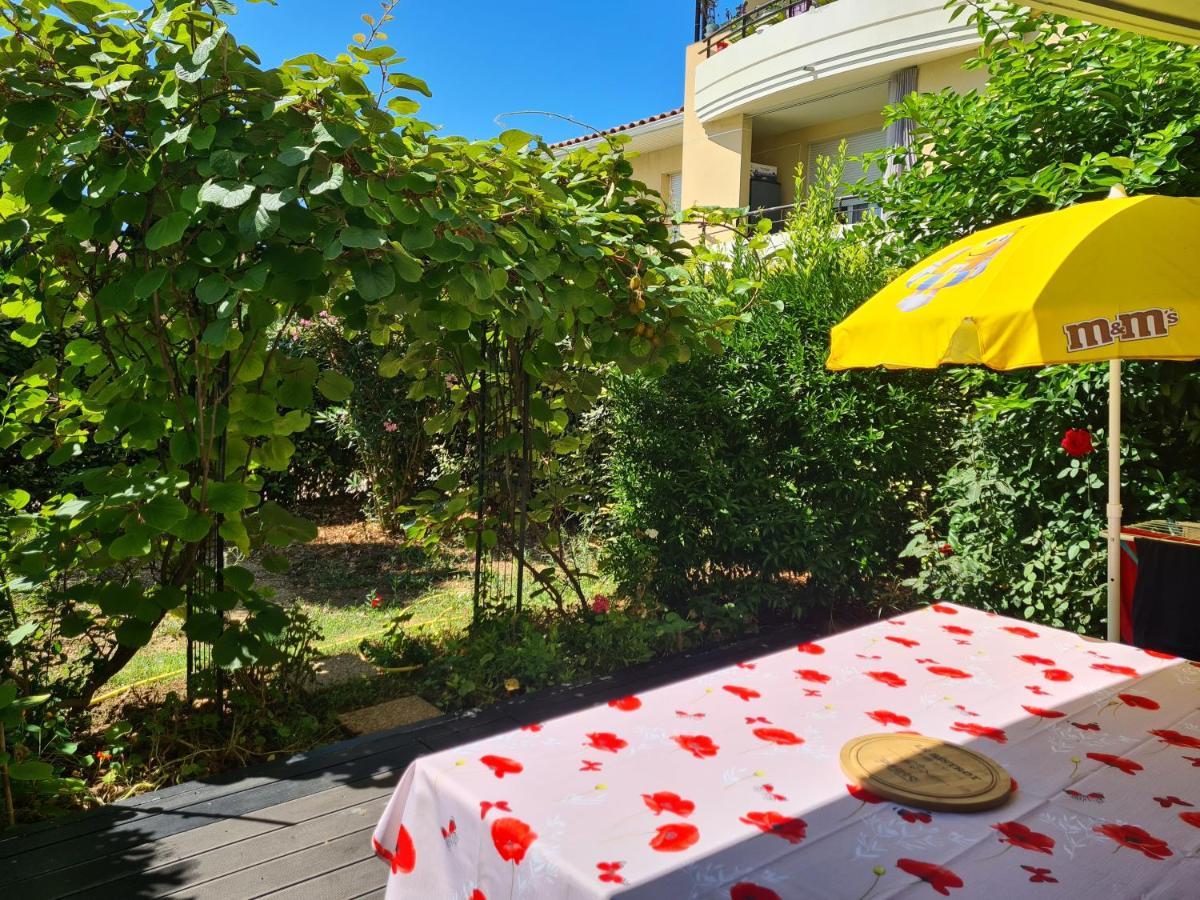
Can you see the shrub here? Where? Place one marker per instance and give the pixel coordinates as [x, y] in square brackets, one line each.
[734, 470]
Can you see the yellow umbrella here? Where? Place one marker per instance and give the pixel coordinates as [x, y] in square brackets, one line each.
[1109, 280]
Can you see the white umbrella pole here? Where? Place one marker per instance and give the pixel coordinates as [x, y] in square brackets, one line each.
[1114, 500]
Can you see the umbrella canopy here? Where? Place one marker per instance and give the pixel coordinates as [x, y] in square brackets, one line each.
[1112, 279]
[1109, 280]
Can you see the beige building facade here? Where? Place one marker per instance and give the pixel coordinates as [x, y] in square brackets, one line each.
[784, 82]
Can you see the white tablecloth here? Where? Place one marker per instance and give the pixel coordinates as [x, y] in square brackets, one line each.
[727, 785]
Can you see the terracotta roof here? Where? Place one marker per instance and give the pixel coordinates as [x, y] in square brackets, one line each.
[619, 128]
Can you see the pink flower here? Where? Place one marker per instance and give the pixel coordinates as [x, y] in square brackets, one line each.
[390, 427]
[601, 604]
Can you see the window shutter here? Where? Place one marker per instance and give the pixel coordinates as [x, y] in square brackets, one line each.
[675, 193]
[856, 145]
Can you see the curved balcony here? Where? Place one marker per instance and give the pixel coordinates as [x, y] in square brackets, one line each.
[801, 51]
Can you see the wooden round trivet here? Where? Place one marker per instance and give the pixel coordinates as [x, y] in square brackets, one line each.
[925, 773]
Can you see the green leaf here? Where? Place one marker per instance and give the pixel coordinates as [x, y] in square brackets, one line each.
[31, 770]
[226, 194]
[196, 527]
[150, 282]
[164, 511]
[334, 386]
[31, 113]
[363, 238]
[373, 280]
[167, 231]
[515, 139]
[330, 182]
[134, 633]
[137, 541]
[227, 497]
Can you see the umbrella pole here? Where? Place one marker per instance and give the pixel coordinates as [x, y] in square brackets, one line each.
[1114, 500]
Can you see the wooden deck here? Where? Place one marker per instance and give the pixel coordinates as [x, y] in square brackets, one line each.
[297, 829]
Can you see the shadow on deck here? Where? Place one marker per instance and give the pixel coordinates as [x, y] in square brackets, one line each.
[296, 829]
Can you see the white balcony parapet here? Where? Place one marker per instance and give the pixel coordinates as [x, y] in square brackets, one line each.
[835, 46]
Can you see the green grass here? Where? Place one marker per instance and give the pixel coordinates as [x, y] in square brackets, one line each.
[342, 627]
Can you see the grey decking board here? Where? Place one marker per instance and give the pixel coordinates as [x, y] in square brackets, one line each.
[346, 882]
[96, 879]
[125, 837]
[284, 871]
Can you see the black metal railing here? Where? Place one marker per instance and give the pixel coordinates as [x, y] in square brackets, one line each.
[745, 22]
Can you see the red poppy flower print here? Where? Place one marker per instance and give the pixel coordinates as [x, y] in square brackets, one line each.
[1057, 675]
[605, 740]
[1035, 660]
[1158, 654]
[811, 649]
[948, 672]
[912, 816]
[502, 765]
[532, 727]
[862, 794]
[1135, 839]
[1191, 818]
[812, 675]
[1177, 739]
[1194, 760]
[747, 665]
[903, 641]
[1128, 766]
[944, 610]
[1137, 701]
[674, 838]
[1171, 800]
[744, 693]
[937, 877]
[957, 629]
[687, 715]
[668, 802]
[1019, 631]
[1043, 713]
[791, 830]
[886, 717]
[1037, 689]
[981, 731]
[780, 736]
[626, 704]
[1039, 875]
[698, 745]
[1087, 726]
[1026, 838]
[485, 806]
[477, 894]
[1094, 797]
[1116, 670]
[609, 872]
[891, 679]
[746, 890]
[404, 858]
[512, 838]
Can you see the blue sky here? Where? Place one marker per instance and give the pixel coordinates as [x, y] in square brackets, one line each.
[603, 63]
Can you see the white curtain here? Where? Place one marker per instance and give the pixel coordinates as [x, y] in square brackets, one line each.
[900, 133]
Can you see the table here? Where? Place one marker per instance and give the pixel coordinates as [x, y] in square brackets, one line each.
[727, 785]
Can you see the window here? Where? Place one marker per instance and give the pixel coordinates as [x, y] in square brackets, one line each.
[852, 207]
[675, 199]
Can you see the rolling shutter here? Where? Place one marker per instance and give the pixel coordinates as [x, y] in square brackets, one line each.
[856, 145]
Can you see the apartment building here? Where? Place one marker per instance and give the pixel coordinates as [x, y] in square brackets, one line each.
[777, 83]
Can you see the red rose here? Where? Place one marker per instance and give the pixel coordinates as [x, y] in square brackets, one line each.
[1024, 837]
[1135, 839]
[674, 838]
[791, 830]
[668, 802]
[512, 838]
[1077, 442]
[938, 878]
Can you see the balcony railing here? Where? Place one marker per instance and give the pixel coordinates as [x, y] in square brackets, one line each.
[717, 37]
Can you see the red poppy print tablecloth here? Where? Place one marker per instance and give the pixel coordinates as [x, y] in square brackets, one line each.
[727, 785]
